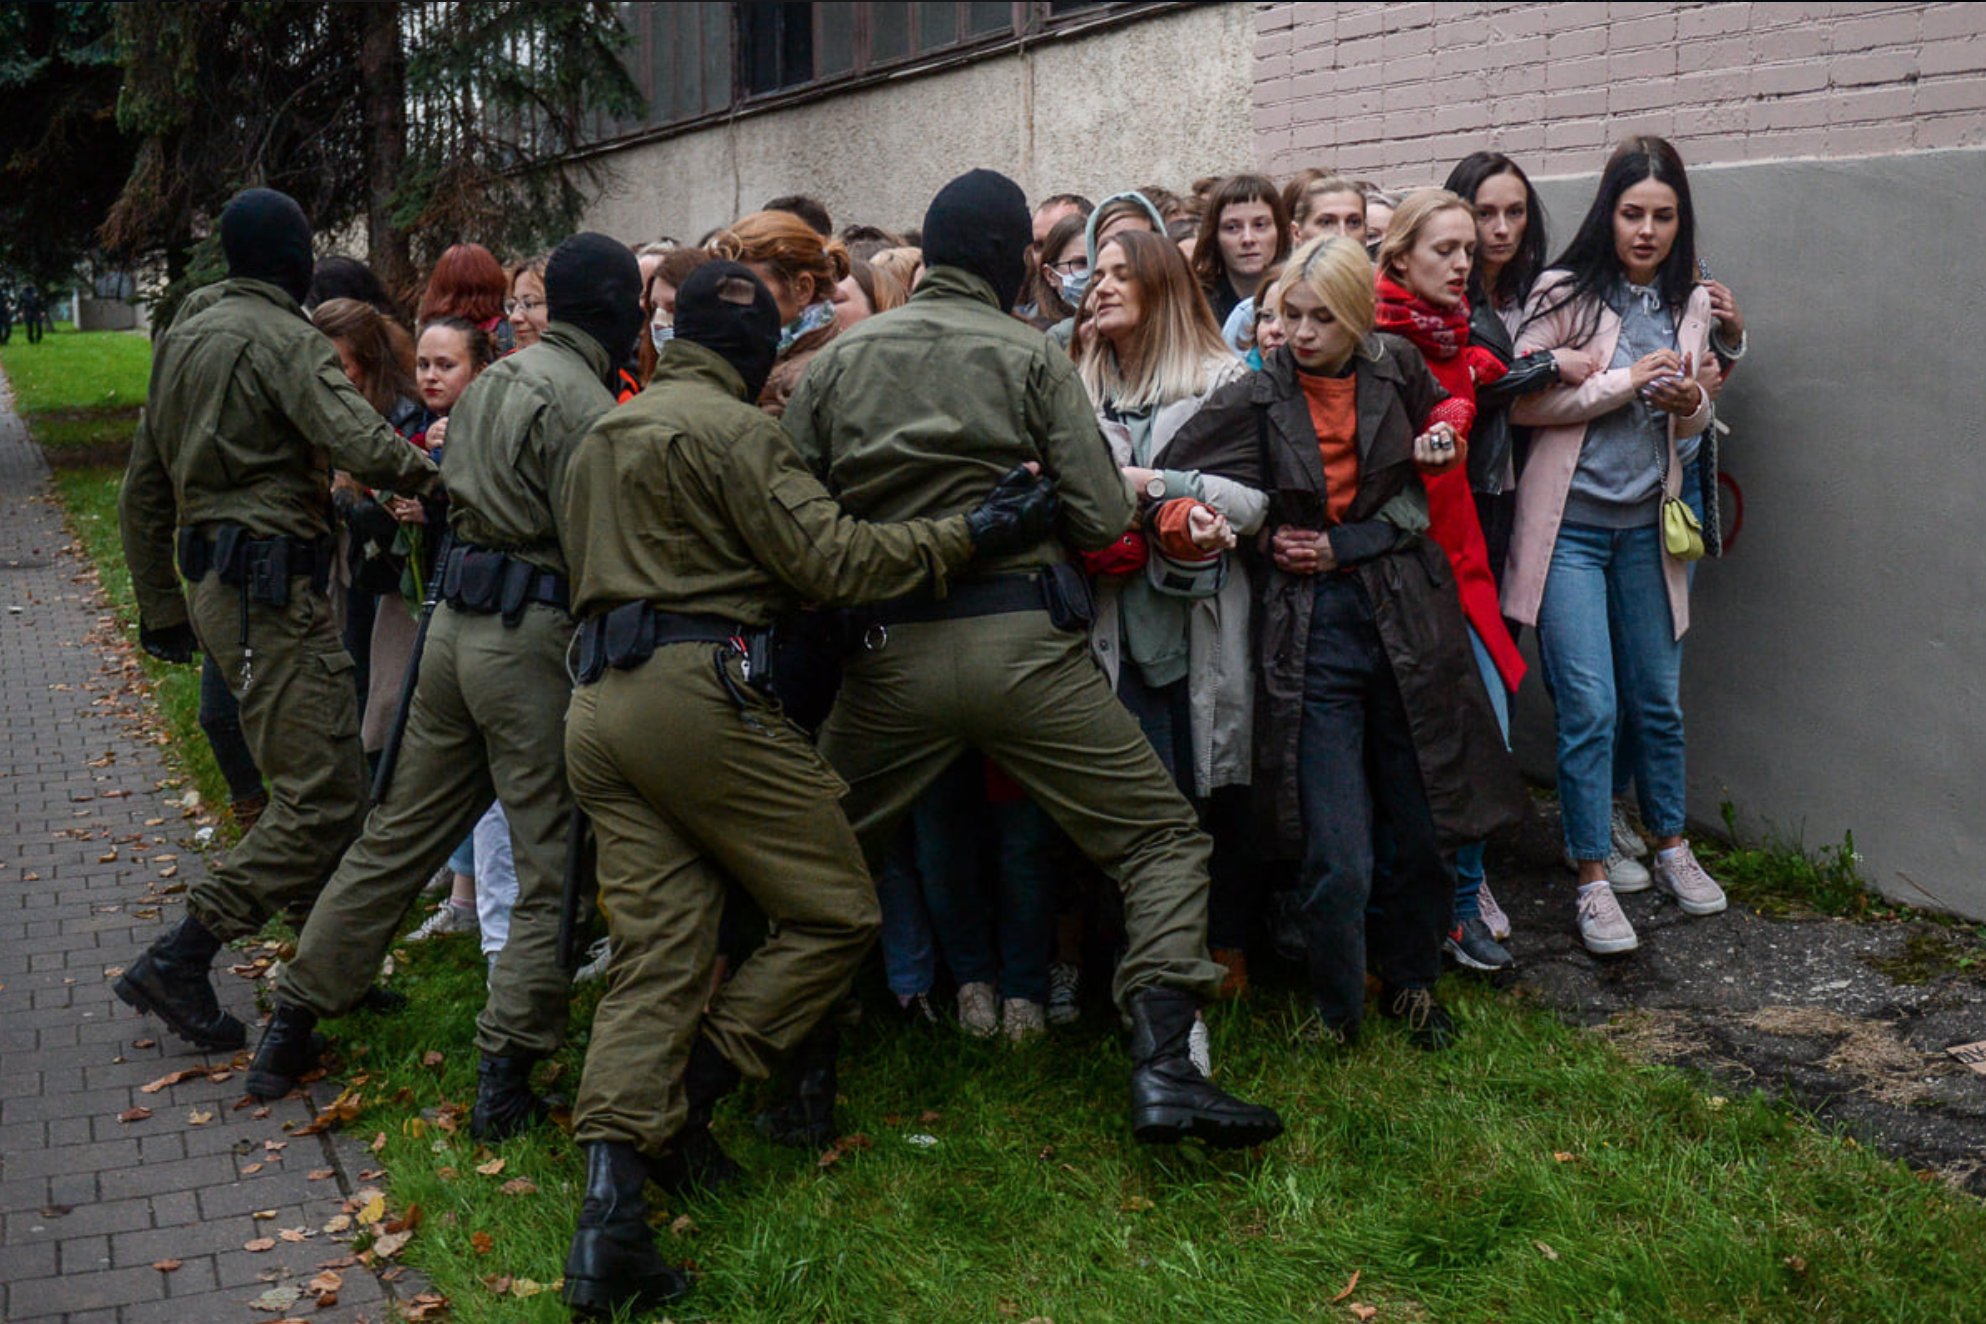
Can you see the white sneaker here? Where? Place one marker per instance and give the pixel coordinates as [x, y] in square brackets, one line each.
[1626, 873]
[1064, 993]
[1492, 913]
[1602, 926]
[979, 1010]
[1678, 872]
[1626, 840]
[447, 918]
[1023, 1019]
[596, 963]
[1200, 1048]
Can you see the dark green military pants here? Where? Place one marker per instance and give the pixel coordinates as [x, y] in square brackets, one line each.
[683, 787]
[1029, 697]
[487, 721]
[300, 717]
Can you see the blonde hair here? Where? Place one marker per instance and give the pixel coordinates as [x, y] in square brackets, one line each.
[1339, 273]
[1319, 187]
[1410, 218]
[903, 263]
[1174, 352]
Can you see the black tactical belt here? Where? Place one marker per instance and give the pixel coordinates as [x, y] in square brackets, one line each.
[628, 636]
[488, 583]
[994, 596]
[242, 558]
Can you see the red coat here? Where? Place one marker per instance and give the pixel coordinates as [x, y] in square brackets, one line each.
[1451, 509]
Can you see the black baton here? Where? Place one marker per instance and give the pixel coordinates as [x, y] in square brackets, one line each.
[580, 887]
[382, 778]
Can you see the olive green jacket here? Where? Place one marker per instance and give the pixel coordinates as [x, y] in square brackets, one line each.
[247, 414]
[692, 499]
[511, 436]
[920, 412]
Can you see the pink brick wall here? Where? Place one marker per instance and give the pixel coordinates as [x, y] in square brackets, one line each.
[1400, 92]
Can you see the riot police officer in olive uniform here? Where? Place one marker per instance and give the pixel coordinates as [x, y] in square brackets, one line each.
[691, 525]
[247, 414]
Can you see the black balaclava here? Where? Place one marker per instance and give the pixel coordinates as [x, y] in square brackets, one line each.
[980, 223]
[266, 237]
[725, 308]
[594, 283]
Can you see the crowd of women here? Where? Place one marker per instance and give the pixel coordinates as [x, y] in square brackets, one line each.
[1374, 436]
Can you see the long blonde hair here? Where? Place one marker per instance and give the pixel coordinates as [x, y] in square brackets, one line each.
[1174, 352]
[1339, 273]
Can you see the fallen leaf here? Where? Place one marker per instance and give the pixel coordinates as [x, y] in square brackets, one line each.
[338, 1223]
[293, 1235]
[172, 1078]
[432, 1058]
[260, 1113]
[483, 1242]
[1545, 1250]
[134, 1114]
[324, 1284]
[198, 1118]
[492, 1168]
[277, 1299]
[166, 1266]
[683, 1226]
[498, 1283]
[1362, 1312]
[525, 1288]
[378, 1142]
[250, 1169]
[519, 1186]
[56, 1211]
[1795, 1263]
[372, 1206]
[1137, 1204]
[216, 1077]
[428, 1305]
[319, 1174]
[930, 1115]
[259, 1245]
[144, 1043]
[392, 1244]
[274, 1146]
[1348, 1288]
[263, 1215]
[1561, 1156]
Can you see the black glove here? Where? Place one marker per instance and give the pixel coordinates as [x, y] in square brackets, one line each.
[1018, 513]
[175, 643]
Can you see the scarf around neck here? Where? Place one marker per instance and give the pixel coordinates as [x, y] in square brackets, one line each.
[1439, 333]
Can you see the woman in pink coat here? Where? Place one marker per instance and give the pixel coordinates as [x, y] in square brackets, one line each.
[1587, 563]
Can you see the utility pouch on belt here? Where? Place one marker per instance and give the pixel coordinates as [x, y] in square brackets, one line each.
[229, 560]
[1065, 591]
[514, 590]
[268, 578]
[475, 581]
[629, 636]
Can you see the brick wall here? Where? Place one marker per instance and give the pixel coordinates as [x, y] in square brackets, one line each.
[1400, 92]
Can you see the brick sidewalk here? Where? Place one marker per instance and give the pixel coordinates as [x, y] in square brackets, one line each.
[89, 1203]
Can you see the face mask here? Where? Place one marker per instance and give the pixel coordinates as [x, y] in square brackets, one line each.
[662, 335]
[1073, 286]
[811, 319]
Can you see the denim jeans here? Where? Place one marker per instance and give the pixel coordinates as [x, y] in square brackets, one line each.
[1358, 771]
[1469, 859]
[1608, 645]
[1624, 745]
[983, 876]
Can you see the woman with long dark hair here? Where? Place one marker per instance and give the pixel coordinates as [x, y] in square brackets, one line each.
[1589, 564]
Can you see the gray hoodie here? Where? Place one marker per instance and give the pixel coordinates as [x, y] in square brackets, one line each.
[1063, 331]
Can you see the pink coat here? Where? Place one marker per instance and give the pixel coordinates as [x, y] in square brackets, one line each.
[1560, 415]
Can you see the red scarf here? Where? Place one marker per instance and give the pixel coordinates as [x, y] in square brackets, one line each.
[1439, 333]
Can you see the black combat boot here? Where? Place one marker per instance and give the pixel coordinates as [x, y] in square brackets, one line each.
[695, 1161]
[805, 1120]
[382, 1001]
[288, 1050]
[1170, 1099]
[1429, 1026]
[613, 1264]
[170, 981]
[505, 1102]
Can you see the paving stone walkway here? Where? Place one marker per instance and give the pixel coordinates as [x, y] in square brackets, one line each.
[92, 1206]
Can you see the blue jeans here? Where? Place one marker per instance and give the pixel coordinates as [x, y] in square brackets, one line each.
[1608, 644]
[995, 930]
[1358, 772]
[1624, 754]
[910, 963]
[1469, 859]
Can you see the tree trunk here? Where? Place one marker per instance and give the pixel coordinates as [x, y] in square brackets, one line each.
[383, 87]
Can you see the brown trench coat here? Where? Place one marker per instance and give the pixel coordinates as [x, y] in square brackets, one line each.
[1472, 784]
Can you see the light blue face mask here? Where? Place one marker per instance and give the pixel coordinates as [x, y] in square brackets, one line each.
[661, 335]
[811, 319]
[1073, 286]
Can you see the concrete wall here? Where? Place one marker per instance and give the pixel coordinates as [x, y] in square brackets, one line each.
[1400, 92]
[1165, 100]
[1835, 673]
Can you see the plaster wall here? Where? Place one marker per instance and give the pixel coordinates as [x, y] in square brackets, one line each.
[1835, 671]
[1164, 99]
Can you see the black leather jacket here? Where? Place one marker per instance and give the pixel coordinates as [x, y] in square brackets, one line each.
[1495, 442]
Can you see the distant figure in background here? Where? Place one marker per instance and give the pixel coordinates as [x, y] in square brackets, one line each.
[34, 311]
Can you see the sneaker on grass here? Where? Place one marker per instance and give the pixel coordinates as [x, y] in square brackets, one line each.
[979, 1010]
[1473, 947]
[1492, 913]
[1064, 993]
[447, 918]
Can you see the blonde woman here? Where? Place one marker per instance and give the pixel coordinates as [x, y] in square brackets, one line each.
[1370, 708]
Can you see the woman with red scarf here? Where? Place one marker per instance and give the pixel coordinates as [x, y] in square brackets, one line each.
[1423, 277]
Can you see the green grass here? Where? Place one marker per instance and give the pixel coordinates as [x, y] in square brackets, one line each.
[1530, 1174]
[78, 370]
